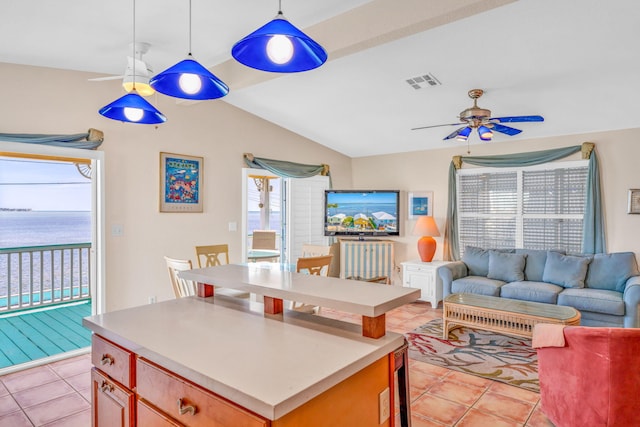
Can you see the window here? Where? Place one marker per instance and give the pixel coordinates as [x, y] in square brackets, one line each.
[537, 207]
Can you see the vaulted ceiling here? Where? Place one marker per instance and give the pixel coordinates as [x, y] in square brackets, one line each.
[575, 62]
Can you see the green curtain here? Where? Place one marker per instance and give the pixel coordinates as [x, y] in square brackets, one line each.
[593, 237]
[89, 140]
[287, 169]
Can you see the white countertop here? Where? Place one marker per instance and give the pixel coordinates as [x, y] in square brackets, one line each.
[352, 296]
[270, 364]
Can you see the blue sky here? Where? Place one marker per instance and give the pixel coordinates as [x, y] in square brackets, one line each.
[43, 185]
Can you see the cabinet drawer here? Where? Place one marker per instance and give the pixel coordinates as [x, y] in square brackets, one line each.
[200, 408]
[148, 416]
[112, 405]
[113, 360]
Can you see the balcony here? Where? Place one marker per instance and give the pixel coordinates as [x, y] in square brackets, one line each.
[45, 291]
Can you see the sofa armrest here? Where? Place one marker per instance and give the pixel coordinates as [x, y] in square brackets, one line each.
[631, 299]
[450, 272]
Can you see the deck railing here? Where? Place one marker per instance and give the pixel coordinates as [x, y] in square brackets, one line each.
[37, 276]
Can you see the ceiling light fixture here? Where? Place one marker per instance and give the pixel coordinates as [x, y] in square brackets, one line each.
[485, 133]
[280, 47]
[463, 134]
[132, 107]
[188, 79]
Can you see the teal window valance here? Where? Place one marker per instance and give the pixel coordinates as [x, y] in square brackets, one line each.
[593, 233]
[89, 140]
[287, 169]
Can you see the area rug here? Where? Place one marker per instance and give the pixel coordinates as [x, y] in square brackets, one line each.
[489, 355]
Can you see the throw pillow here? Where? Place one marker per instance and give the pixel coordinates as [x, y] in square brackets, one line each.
[477, 261]
[565, 270]
[611, 271]
[506, 266]
[536, 258]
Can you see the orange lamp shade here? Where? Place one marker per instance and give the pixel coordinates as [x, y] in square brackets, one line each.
[427, 228]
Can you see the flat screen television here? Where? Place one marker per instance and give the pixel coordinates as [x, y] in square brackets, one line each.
[361, 212]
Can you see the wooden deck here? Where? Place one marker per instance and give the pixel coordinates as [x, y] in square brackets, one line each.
[36, 334]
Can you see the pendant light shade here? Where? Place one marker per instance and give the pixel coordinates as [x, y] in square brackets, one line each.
[189, 80]
[463, 134]
[134, 109]
[485, 133]
[279, 47]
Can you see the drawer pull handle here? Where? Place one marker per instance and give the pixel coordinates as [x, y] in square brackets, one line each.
[186, 409]
[105, 387]
[106, 360]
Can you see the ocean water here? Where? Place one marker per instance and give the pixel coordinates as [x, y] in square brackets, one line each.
[41, 228]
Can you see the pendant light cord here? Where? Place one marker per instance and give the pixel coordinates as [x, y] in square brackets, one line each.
[280, 7]
[189, 28]
[134, 45]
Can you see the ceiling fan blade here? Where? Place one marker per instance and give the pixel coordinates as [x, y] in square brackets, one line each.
[515, 119]
[101, 79]
[437, 126]
[457, 132]
[505, 129]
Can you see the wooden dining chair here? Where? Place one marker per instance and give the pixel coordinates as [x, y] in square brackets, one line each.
[317, 265]
[181, 287]
[212, 255]
[263, 239]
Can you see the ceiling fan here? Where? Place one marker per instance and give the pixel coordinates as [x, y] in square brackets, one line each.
[480, 119]
[143, 72]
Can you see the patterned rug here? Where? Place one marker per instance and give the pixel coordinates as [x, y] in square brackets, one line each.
[485, 354]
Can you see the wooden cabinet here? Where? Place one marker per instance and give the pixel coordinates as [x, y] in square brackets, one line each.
[188, 403]
[113, 404]
[148, 416]
[366, 259]
[424, 276]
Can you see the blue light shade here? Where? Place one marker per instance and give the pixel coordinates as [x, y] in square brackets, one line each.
[133, 108]
[189, 80]
[463, 134]
[485, 133]
[263, 51]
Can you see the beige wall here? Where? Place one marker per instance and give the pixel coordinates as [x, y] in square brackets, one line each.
[618, 153]
[38, 100]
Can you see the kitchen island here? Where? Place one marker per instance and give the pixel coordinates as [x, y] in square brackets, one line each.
[224, 362]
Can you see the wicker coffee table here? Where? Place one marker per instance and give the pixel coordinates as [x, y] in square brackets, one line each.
[504, 315]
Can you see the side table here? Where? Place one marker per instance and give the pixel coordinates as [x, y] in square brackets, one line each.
[424, 275]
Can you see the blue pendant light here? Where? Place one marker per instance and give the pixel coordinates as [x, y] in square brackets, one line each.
[132, 107]
[188, 79]
[279, 47]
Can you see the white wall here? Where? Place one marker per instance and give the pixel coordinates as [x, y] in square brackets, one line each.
[49, 101]
[618, 155]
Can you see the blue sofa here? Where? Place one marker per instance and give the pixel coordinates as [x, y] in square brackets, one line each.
[605, 288]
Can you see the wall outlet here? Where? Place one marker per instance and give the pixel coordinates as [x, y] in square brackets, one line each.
[384, 405]
[152, 300]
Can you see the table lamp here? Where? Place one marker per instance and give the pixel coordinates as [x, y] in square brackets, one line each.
[427, 228]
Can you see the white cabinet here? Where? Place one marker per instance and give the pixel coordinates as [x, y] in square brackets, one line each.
[424, 276]
[366, 260]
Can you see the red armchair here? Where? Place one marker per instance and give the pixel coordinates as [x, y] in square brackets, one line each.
[593, 380]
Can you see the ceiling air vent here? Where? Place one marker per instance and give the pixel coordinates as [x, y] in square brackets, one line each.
[425, 80]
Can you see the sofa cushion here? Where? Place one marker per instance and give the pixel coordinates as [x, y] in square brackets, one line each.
[611, 271]
[531, 291]
[477, 259]
[594, 300]
[534, 267]
[506, 267]
[477, 285]
[565, 270]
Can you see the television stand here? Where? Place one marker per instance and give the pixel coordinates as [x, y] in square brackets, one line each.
[366, 259]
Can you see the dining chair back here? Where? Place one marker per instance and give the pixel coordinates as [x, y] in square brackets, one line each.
[212, 255]
[264, 239]
[317, 265]
[181, 287]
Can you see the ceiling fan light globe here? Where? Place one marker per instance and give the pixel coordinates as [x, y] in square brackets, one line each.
[143, 89]
[190, 83]
[485, 133]
[279, 49]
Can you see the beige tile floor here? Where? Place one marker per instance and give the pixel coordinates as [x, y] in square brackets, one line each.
[58, 394]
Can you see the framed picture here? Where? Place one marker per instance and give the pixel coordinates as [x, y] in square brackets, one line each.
[634, 201]
[420, 204]
[180, 183]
